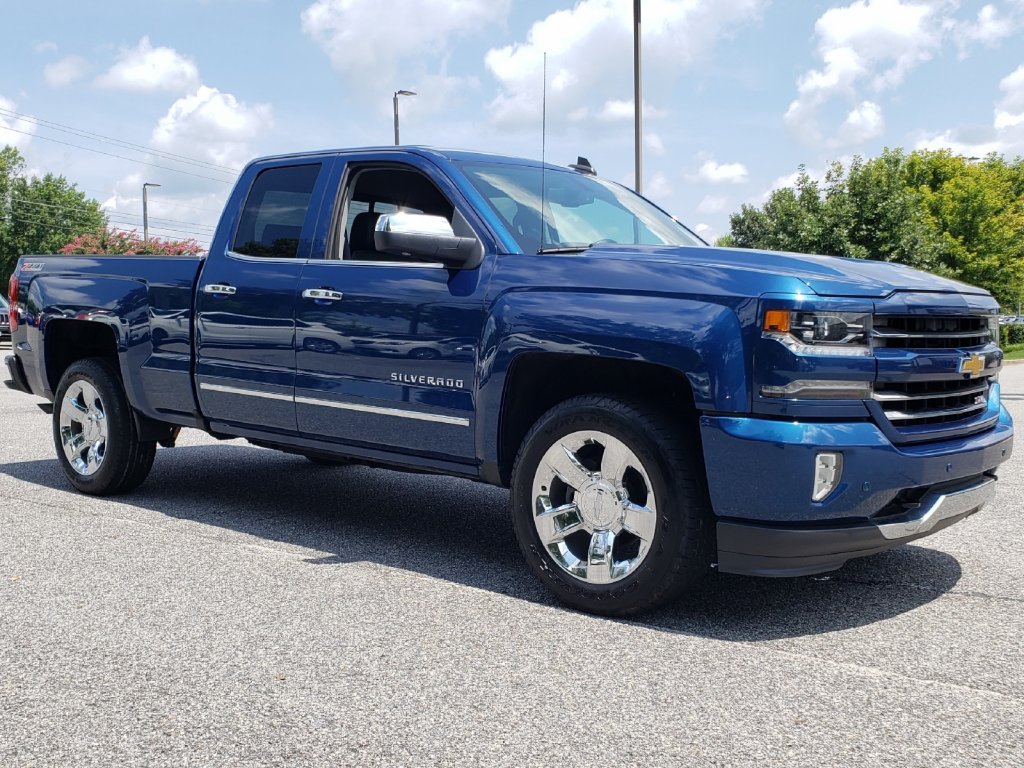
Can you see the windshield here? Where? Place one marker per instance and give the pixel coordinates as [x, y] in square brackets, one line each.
[579, 210]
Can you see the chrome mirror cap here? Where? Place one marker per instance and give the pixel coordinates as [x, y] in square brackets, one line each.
[403, 223]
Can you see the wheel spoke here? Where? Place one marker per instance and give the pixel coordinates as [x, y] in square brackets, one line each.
[640, 521]
[73, 441]
[75, 401]
[614, 462]
[568, 468]
[94, 456]
[555, 523]
[599, 558]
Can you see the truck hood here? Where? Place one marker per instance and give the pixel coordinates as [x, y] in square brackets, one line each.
[825, 275]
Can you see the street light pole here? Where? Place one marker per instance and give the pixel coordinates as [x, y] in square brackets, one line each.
[145, 210]
[395, 104]
[637, 99]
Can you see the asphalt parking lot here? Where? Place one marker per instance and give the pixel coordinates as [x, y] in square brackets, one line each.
[245, 607]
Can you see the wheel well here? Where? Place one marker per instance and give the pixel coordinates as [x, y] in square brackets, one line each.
[539, 381]
[71, 340]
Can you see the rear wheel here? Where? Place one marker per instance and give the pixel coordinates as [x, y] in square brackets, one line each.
[609, 507]
[94, 433]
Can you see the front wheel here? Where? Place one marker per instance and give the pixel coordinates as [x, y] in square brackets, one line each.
[609, 507]
[94, 433]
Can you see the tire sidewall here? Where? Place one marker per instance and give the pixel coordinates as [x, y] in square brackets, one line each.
[627, 594]
[120, 429]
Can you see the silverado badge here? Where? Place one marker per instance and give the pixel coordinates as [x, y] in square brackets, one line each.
[973, 365]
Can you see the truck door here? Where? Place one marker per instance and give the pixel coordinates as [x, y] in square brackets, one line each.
[386, 347]
[245, 300]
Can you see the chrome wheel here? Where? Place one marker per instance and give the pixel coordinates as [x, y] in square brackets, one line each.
[83, 428]
[594, 507]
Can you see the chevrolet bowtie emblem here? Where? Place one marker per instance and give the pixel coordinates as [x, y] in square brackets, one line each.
[973, 365]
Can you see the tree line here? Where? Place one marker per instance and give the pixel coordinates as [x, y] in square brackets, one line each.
[951, 215]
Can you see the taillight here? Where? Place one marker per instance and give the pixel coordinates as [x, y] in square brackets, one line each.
[12, 297]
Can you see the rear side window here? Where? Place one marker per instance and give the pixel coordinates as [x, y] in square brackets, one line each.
[274, 212]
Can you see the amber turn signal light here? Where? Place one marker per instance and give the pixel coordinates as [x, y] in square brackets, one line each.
[777, 320]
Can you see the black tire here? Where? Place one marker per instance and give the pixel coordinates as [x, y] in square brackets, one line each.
[678, 553]
[125, 461]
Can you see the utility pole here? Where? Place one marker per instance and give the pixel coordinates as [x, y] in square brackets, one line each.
[637, 99]
[145, 210]
[395, 105]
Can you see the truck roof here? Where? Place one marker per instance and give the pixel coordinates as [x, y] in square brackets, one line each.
[452, 155]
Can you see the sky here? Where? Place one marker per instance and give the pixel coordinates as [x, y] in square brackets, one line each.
[737, 94]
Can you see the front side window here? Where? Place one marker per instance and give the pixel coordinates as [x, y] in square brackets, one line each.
[375, 191]
[561, 209]
[272, 219]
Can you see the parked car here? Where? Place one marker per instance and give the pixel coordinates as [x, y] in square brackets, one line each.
[658, 407]
[5, 321]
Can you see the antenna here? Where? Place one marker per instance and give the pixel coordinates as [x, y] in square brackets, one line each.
[543, 147]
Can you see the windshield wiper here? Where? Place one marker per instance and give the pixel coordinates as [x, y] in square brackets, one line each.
[564, 249]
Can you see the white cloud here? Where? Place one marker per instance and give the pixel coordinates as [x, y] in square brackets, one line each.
[45, 46]
[863, 123]
[589, 59]
[66, 71]
[712, 204]
[872, 45]
[145, 68]
[724, 173]
[869, 43]
[654, 144]
[212, 125]
[1010, 110]
[658, 187]
[959, 144]
[990, 27]
[1005, 135]
[618, 110]
[366, 41]
[12, 137]
[171, 216]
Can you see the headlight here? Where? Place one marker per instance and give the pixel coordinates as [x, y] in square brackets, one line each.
[820, 333]
[993, 328]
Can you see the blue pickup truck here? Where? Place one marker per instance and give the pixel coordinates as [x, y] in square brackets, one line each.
[658, 407]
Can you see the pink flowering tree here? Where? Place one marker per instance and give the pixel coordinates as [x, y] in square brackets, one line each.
[106, 240]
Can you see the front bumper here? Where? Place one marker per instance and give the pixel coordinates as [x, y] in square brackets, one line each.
[763, 550]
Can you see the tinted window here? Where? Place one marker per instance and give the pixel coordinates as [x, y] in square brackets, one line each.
[271, 222]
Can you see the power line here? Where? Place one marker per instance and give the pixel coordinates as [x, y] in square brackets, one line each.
[119, 157]
[115, 142]
[109, 212]
[71, 227]
[176, 203]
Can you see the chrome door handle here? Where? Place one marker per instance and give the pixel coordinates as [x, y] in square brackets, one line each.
[219, 289]
[321, 294]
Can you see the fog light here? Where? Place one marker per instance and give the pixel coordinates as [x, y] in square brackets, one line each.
[828, 470]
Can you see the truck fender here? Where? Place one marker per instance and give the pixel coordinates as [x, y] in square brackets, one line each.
[699, 339]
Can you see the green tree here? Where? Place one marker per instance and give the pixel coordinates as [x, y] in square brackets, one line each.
[932, 210]
[39, 214]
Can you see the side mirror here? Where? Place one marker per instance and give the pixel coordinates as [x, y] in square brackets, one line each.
[422, 236]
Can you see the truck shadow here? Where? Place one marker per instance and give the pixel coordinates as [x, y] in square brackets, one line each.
[460, 531]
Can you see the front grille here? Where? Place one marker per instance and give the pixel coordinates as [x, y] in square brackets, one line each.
[923, 332]
[918, 403]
